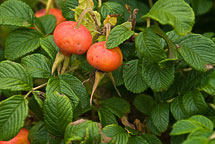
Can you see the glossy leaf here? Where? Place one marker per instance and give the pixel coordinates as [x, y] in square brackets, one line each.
[17, 13]
[21, 42]
[176, 13]
[13, 112]
[58, 113]
[144, 103]
[133, 77]
[14, 77]
[37, 65]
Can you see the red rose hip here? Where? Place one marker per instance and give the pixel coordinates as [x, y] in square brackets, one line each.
[72, 40]
[106, 60]
[53, 11]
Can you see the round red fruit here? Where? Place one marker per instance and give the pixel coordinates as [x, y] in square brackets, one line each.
[20, 138]
[71, 40]
[53, 11]
[104, 59]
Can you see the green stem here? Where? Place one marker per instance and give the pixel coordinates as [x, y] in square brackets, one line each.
[66, 64]
[33, 89]
[99, 4]
[48, 5]
[108, 28]
[148, 22]
[81, 17]
[150, 3]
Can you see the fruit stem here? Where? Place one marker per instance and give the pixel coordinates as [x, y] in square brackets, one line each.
[59, 58]
[81, 17]
[33, 89]
[99, 4]
[114, 83]
[135, 11]
[147, 22]
[108, 28]
[48, 5]
[98, 77]
[66, 64]
[150, 3]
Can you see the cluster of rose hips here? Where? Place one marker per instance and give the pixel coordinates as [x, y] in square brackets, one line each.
[73, 38]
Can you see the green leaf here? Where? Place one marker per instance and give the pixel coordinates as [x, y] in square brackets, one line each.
[38, 134]
[160, 116]
[60, 85]
[113, 104]
[118, 76]
[151, 126]
[204, 121]
[49, 46]
[148, 45]
[13, 112]
[208, 84]
[117, 133]
[111, 8]
[144, 103]
[14, 77]
[17, 13]
[176, 13]
[106, 117]
[151, 139]
[177, 109]
[76, 131]
[194, 103]
[205, 133]
[57, 113]
[184, 126]
[21, 42]
[118, 35]
[137, 140]
[92, 134]
[78, 88]
[66, 9]
[178, 139]
[201, 6]
[37, 65]
[157, 78]
[196, 140]
[48, 23]
[197, 51]
[133, 77]
[36, 105]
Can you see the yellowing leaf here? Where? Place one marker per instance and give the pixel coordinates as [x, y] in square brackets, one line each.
[83, 4]
[110, 20]
[88, 21]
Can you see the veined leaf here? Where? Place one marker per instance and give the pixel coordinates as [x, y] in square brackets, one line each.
[208, 84]
[148, 45]
[197, 140]
[151, 139]
[157, 78]
[48, 23]
[113, 104]
[14, 77]
[49, 46]
[144, 103]
[204, 121]
[59, 85]
[177, 13]
[92, 134]
[118, 35]
[37, 65]
[38, 134]
[177, 109]
[133, 77]
[13, 112]
[117, 133]
[17, 13]
[111, 8]
[106, 117]
[84, 4]
[160, 116]
[76, 131]
[184, 126]
[201, 6]
[66, 9]
[57, 113]
[21, 42]
[137, 140]
[197, 51]
[194, 103]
